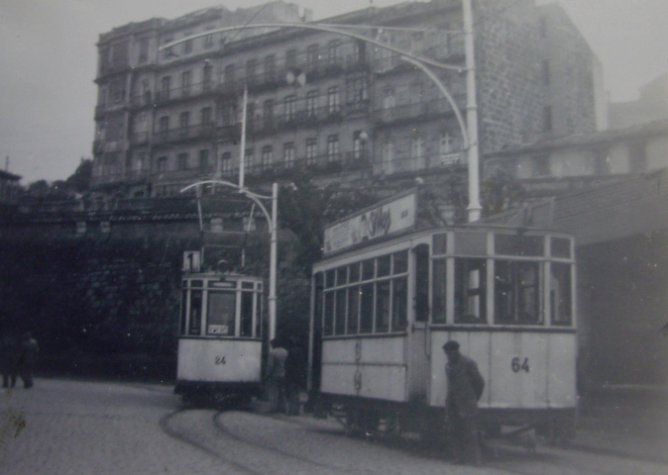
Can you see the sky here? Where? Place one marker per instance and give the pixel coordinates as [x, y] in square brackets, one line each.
[48, 59]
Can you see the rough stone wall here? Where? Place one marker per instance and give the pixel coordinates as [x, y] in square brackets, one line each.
[509, 93]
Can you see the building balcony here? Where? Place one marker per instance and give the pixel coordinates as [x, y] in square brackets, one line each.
[415, 111]
[188, 133]
[419, 163]
[320, 164]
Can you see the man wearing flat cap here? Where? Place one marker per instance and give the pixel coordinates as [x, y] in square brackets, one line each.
[465, 386]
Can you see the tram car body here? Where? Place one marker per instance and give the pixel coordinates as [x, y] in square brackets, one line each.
[383, 311]
[220, 341]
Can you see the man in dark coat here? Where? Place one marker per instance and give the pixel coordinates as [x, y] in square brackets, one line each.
[465, 387]
[8, 357]
[27, 359]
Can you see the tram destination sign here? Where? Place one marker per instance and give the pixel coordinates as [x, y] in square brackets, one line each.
[384, 219]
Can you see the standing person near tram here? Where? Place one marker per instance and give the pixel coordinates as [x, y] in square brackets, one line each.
[28, 351]
[275, 376]
[465, 387]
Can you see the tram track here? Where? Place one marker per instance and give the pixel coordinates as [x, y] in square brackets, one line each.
[175, 434]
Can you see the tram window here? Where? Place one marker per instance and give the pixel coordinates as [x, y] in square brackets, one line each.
[561, 247]
[328, 325]
[401, 262]
[354, 273]
[439, 290]
[246, 323]
[384, 265]
[317, 316]
[184, 312]
[470, 295]
[195, 326]
[197, 283]
[329, 278]
[517, 292]
[366, 310]
[382, 306]
[342, 276]
[421, 283]
[399, 304]
[247, 285]
[439, 244]
[221, 309]
[341, 304]
[560, 294]
[368, 269]
[353, 309]
[258, 317]
[514, 245]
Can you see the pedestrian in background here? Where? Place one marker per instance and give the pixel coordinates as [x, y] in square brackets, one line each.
[465, 387]
[27, 359]
[275, 376]
[8, 359]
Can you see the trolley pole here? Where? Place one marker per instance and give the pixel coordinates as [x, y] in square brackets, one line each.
[242, 152]
[474, 206]
[273, 257]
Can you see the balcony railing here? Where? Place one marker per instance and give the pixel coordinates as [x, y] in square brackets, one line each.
[420, 163]
[423, 110]
[185, 133]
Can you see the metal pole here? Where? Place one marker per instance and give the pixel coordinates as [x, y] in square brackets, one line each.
[273, 256]
[243, 140]
[471, 116]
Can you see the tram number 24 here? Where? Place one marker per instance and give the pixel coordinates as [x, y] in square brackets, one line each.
[518, 364]
[220, 360]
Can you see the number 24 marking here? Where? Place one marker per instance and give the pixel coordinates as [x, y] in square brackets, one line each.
[220, 360]
[517, 366]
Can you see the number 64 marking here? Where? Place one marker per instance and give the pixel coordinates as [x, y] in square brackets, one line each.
[517, 366]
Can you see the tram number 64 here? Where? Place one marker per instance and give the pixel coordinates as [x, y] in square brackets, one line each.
[518, 365]
[220, 360]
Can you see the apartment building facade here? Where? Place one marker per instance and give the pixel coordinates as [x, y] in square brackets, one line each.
[336, 106]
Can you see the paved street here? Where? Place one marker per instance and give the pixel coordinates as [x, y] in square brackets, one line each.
[106, 428]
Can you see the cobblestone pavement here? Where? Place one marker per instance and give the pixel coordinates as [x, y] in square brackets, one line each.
[106, 428]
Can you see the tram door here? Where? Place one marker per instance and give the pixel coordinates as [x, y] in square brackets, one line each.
[418, 354]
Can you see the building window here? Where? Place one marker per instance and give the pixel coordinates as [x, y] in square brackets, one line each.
[359, 52]
[186, 77]
[208, 41]
[206, 115]
[334, 52]
[290, 102]
[270, 68]
[165, 86]
[206, 77]
[547, 118]
[291, 59]
[203, 160]
[417, 148]
[545, 72]
[251, 71]
[356, 90]
[312, 57]
[311, 103]
[168, 52]
[541, 166]
[117, 90]
[143, 50]
[267, 157]
[389, 99]
[387, 153]
[333, 100]
[289, 154]
[161, 165]
[183, 161]
[601, 162]
[188, 46]
[226, 163]
[229, 75]
[359, 142]
[249, 158]
[268, 113]
[311, 151]
[163, 125]
[184, 122]
[333, 148]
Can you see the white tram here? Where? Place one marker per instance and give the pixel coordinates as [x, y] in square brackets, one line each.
[220, 341]
[382, 311]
